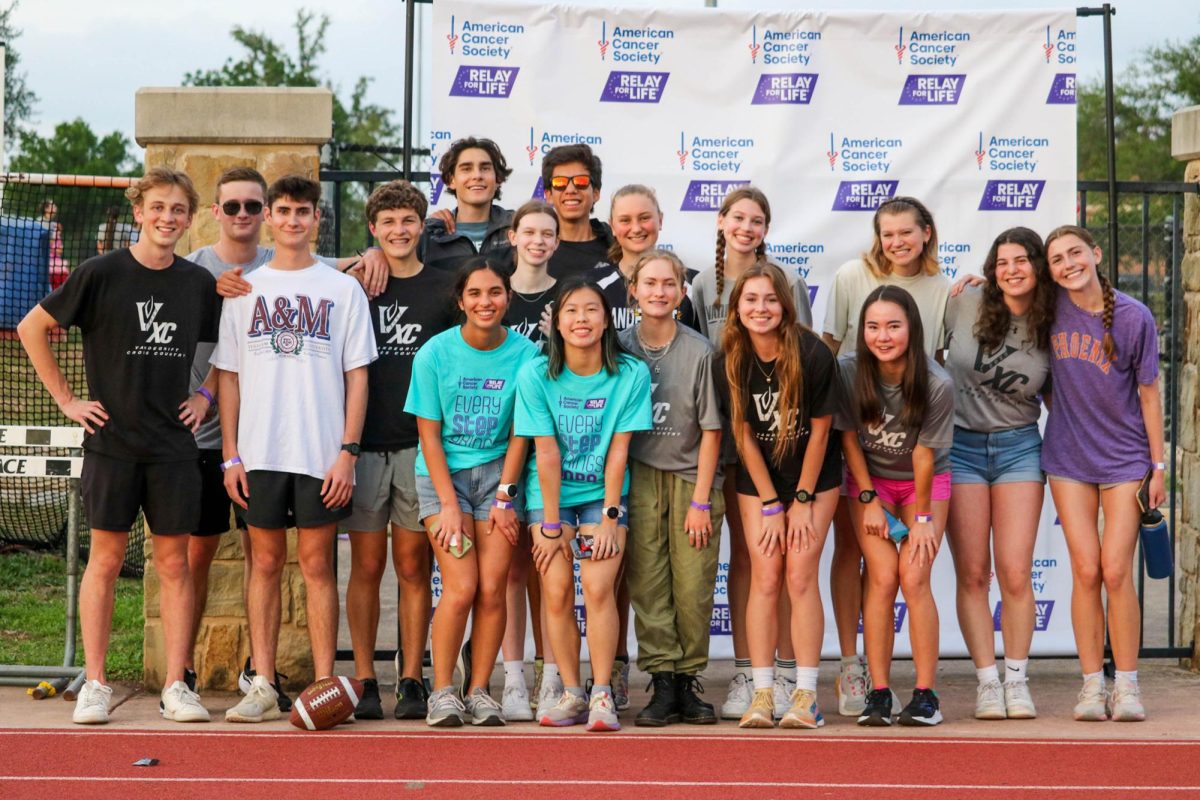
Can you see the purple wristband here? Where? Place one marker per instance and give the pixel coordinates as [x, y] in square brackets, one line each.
[235, 460]
[207, 395]
[551, 526]
[504, 505]
[773, 510]
[701, 506]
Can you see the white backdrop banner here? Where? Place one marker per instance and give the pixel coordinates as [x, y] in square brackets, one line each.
[829, 113]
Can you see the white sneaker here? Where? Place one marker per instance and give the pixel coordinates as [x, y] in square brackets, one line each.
[515, 704]
[483, 708]
[783, 688]
[737, 697]
[1093, 701]
[181, 704]
[852, 689]
[261, 703]
[1127, 702]
[91, 706]
[552, 690]
[989, 701]
[1017, 700]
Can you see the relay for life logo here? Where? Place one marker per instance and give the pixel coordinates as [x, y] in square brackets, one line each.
[634, 87]
[1015, 195]
[484, 81]
[932, 90]
[718, 155]
[1062, 89]
[785, 88]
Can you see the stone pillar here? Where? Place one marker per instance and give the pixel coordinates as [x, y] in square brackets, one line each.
[1185, 146]
[204, 131]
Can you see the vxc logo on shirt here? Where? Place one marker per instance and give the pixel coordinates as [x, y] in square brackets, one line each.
[595, 402]
[885, 438]
[160, 332]
[764, 405]
[389, 325]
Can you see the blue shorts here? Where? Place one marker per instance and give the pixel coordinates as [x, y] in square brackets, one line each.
[585, 514]
[1011, 456]
[475, 488]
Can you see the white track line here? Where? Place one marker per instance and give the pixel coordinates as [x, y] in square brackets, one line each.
[608, 782]
[501, 736]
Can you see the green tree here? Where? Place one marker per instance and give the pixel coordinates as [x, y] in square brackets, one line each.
[266, 62]
[75, 149]
[19, 99]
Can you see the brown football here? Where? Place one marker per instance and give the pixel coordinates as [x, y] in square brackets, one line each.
[327, 702]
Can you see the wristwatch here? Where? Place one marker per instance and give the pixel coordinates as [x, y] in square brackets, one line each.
[612, 512]
[508, 489]
[803, 496]
[867, 495]
[352, 448]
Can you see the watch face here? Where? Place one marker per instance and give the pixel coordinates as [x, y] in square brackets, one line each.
[612, 512]
[866, 496]
[803, 496]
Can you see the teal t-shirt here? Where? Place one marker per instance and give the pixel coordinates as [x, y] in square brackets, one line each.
[472, 392]
[582, 413]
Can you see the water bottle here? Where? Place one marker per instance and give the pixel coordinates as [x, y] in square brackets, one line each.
[896, 529]
[1156, 545]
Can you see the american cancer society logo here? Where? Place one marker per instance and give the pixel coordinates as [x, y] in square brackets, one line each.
[540, 144]
[862, 154]
[1060, 46]
[632, 45]
[720, 155]
[492, 39]
[782, 47]
[930, 48]
[1009, 153]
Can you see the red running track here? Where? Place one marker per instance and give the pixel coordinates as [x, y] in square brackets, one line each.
[207, 763]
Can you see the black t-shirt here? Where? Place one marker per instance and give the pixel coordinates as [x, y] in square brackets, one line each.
[573, 258]
[760, 401]
[524, 313]
[140, 328]
[410, 312]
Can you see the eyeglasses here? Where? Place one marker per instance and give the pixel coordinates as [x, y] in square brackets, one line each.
[234, 207]
[559, 182]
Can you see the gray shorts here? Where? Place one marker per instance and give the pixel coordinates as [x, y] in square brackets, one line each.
[475, 487]
[385, 491]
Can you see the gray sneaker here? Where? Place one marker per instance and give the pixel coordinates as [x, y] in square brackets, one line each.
[516, 705]
[181, 704]
[989, 701]
[569, 710]
[602, 715]
[261, 703]
[91, 706]
[737, 697]
[783, 688]
[445, 709]
[483, 709]
[1017, 701]
[551, 689]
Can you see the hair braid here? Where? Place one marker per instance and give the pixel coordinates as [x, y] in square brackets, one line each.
[719, 268]
[1110, 303]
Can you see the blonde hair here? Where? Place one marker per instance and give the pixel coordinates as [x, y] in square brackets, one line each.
[615, 253]
[875, 259]
[159, 177]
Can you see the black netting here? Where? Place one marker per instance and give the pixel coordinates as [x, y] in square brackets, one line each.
[46, 230]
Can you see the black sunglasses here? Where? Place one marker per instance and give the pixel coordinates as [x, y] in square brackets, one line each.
[234, 207]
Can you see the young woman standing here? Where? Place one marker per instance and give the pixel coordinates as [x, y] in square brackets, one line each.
[897, 429]
[674, 510]
[996, 338]
[742, 224]
[903, 253]
[581, 402]
[781, 383]
[1104, 436]
[463, 391]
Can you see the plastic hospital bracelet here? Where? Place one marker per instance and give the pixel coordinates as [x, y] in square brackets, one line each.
[207, 395]
[235, 460]
[773, 510]
[701, 506]
[1160, 465]
[923, 518]
[502, 504]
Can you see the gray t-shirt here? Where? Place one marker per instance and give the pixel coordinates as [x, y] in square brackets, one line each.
[712, 317]
[208, 437]
[684, 400]
[854, 280]
[995, 391]
[888, 447]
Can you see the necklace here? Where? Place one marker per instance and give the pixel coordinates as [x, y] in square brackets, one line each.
[653, 360]
[766, 375]
[533, 298]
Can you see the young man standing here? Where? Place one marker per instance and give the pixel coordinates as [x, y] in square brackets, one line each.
[414, 307]
[142, 311]
[473, 170]
[571, 176]
[293, 356]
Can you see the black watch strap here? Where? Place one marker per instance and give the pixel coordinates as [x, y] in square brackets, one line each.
[804, 496]
[353, 448]
[867, 495]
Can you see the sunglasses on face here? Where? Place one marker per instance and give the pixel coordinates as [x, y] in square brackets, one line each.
[559, 182]
[234, 207]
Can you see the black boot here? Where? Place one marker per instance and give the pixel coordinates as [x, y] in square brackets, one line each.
[664, 704]
[694, 710]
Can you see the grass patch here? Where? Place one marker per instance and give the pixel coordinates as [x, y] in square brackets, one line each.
[33, 616]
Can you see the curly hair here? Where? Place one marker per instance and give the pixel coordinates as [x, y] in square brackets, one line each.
[995, 318]
[1110, 295]
[741, 193]
[449, 161]
[396, 195]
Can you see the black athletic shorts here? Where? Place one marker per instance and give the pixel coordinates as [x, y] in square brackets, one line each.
[214, 500]
[168, 492]
[273, 494]
[784, 481]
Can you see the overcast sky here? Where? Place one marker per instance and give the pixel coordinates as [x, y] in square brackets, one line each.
[86, 58]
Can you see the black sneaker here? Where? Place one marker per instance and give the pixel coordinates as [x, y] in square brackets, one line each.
[411, 699]
[923, 709]
[247, 676]
[663, 708]
[369, 706]
[695, 711]
[878, 711]
[464, 667]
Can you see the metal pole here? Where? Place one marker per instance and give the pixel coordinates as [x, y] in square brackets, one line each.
[410, 22]
[1110, 125]
[72, 571]
[3, 72]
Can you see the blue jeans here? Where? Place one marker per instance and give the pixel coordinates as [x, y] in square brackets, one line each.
[585, 514]
[475, 488]
[1011, 456]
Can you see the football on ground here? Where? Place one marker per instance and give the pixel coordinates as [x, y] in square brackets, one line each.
[326, 703]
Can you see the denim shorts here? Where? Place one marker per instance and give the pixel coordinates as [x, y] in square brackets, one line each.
[585, 514]
[1011, 456]
[475, 488]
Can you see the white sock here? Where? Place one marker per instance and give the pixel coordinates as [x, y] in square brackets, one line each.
[549, 672]
[1087, 676]
[1126, 677]
[985, 674]
[764, 677]
[786, 667]
[806, 678]
[1015, 669]
[514, 674]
